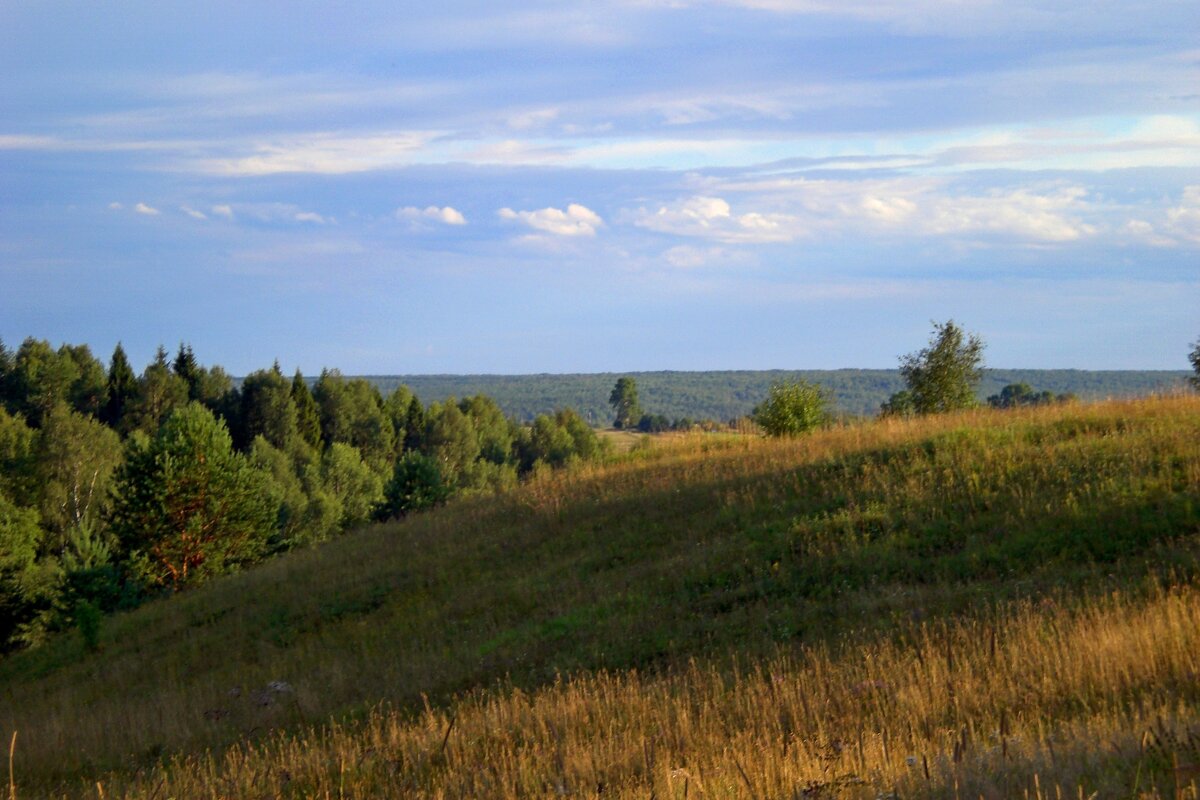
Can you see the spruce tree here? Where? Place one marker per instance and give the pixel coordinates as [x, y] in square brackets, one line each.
[308, 415]
[414, 425]
[6, 371]
[185, 367]
[122, 389]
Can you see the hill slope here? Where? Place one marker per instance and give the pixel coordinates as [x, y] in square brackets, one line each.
[900, 535]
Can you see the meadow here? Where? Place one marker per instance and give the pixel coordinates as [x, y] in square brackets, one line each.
[982, 604]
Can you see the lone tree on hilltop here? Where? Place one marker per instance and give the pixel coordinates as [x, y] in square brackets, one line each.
[792, 409]
[943, 376]
[1194, 357]
[624, 400]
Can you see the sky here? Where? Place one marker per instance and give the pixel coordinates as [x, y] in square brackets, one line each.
[617, 185]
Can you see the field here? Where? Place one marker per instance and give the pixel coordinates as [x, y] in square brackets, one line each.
[986, 604]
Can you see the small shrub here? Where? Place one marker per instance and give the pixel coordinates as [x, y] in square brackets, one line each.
[792, 409]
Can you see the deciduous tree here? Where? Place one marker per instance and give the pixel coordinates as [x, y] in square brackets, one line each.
[944, 375]
[1194, 357]
[624, 401]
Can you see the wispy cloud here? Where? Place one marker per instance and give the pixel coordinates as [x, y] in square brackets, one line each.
[193, 213]
[142, 208]
[323, 153]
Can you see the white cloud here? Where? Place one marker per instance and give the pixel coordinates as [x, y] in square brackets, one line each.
[193, 213]
[713, 218]
[686, 256]
[801, 207]
[537, 118]
[115, 206]
[142, 208]
[1183, 220]
[309, 216]
[325, 153]
[1046, 217]
[223, 211]
[577, 220]
[445, 215]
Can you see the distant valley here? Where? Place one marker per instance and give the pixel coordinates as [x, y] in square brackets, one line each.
[725, 395]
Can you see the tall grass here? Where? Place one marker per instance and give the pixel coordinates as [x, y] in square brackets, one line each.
[1046, 701]
[715, 548]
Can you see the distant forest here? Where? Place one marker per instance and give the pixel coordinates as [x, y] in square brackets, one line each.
[727, 395]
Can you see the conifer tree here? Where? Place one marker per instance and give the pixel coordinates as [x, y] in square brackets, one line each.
[308, 415]
[160, 391]
[188, 504]
[122, 389]
[186, 367]
[414, 425]
[6, 371]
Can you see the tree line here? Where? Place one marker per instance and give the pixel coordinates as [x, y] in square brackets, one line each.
[941, 377]
[117, 486]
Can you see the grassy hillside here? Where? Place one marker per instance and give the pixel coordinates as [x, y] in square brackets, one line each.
[725, 395]
[906, 604]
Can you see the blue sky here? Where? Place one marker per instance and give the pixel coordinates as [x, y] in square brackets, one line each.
[609, 186]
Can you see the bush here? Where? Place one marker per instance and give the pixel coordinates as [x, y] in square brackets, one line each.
[416, 483]
[792, 409]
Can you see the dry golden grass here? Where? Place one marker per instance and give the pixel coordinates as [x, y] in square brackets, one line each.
[1048, 702]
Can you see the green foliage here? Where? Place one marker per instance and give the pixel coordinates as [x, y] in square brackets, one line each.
[74, 459]
[1194, 358]
[493, 430]
[624, 401]
[305, 514]
[28, 585]
[189, 505]
[122, 390]
[416, 484]
[414, 425]
[88, 618]
[556, 440]
[452, 440]
[1016, 395]
[89, 391]
[792, 409]
[352, 412]
[308, 415]
[353, 485]
[653, 423]
[16, 456]
[160, 392]
[187, 368]
[900, 404]
[41, 378]
[6, 375]
[266, 408]
[944, 375]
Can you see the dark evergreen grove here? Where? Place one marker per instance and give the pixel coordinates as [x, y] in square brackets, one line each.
[116, 487]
